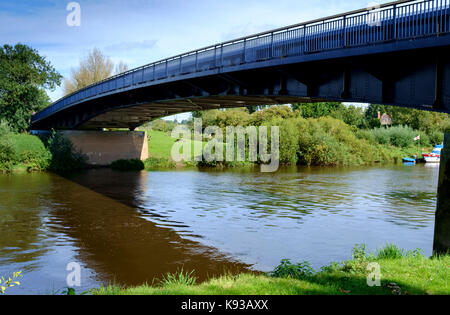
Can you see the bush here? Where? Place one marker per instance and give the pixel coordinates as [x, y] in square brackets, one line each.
[128, 165]
[398, 136]
[436, 137]
[366, 135]
[287, 269]
[64, 156]
[8, 156]
[31, 151]
[402, 136]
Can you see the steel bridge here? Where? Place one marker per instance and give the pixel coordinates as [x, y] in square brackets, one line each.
[395, 54]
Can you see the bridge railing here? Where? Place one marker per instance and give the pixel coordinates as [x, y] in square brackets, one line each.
[399, 20]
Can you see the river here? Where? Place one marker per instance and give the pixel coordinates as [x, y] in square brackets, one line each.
[133, 227]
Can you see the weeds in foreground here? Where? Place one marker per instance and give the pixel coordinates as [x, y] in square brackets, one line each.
[179, 278]
[10, 282]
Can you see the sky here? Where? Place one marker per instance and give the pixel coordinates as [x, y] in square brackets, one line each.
[139, 32]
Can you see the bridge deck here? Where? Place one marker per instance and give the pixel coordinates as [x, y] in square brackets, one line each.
[410, 22]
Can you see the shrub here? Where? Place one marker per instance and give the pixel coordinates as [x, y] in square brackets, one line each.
[128, 165]
[286, 269]
[401, 136]
[31, 151]
[5, 129]
[64, 156]
[436, 137]
[8, 156]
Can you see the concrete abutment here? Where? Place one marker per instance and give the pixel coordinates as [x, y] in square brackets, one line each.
[103, 147]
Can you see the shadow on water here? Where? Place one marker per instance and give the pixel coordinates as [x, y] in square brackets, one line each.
[101, 214]
[94, 212]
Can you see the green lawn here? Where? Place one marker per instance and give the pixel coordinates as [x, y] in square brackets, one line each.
[404, 274]
[160, 144]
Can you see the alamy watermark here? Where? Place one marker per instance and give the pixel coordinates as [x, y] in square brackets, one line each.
[374, 277]
[74, 17]
[73, 279]
[235, 145]
[374, 18]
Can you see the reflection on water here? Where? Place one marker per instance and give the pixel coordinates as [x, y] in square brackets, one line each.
[133, 227]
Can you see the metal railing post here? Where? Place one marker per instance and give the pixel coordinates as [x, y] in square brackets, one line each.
[271, 46]
[196, 61]
[167, 68]
[304, 39]
[394, 35]
[245, 46]
[221, 55]
[344, 35]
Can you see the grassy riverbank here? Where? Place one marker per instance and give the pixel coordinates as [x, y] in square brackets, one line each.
[402, 273]
[21, 152]
[337, 147]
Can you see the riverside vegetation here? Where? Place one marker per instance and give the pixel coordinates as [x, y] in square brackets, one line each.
[402, 273]
[319, 134]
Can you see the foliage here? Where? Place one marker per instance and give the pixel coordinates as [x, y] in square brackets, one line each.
[8, 155]
[10, 282]
[162, 125]
[436, 137]
[128, 165]
[92, 68]
[24, 77]
[300, 270]
[426, 121]
[180, 278]
[316, 110]
[158, 163]
[410, 274]
[390, 251]
[64, 156]
[399, 136]
[31, 152]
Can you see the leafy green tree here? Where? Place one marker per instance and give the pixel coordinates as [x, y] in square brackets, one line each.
[316, 110]
[24, 76]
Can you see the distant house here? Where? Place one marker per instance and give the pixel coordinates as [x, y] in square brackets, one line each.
[385, 119]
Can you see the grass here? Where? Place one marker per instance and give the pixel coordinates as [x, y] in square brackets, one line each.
[160, 151]
[28, 153]
[160, 144]
[402, 273]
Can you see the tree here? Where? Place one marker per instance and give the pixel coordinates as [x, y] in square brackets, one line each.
[121, 67]
[316, 110]
[24, 76]
[93, 68]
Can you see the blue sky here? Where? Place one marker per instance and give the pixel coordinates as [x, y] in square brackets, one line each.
[142, 31]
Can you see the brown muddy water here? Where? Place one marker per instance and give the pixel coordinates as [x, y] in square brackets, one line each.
[131, 228]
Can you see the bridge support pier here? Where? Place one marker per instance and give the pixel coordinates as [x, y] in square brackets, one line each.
[102, 147]
[442, 225]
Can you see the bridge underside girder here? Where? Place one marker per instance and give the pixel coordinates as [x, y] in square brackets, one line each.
[417, 79]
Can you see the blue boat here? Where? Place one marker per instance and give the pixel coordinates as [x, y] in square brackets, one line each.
[409, 160]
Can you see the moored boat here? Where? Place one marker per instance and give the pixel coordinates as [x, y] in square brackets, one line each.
[434, 156]
[409, 160]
